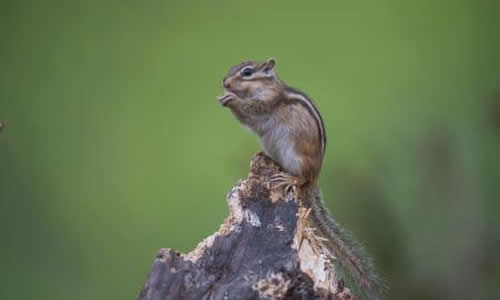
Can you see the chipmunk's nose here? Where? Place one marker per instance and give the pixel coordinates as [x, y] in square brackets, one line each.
[225, 83]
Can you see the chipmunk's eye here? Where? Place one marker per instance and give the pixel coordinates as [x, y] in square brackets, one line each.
[247, 72]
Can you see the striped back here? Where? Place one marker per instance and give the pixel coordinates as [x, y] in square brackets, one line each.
[304, 100]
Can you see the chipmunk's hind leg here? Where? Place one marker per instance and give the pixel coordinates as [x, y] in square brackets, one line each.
[286, 181]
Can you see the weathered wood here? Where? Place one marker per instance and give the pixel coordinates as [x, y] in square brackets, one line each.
[253, 255]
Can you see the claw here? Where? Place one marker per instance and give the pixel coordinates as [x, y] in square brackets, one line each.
[286, 181]
[225, 99]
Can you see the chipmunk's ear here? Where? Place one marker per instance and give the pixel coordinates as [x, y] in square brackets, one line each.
[270, 63]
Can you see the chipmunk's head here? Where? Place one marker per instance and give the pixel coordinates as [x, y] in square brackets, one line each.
[251, 80]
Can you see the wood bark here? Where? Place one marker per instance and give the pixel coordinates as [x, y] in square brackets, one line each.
[254, 253]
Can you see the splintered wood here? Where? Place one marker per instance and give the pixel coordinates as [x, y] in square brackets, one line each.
[253, 255]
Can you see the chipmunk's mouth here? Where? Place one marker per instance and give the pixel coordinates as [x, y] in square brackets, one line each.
[226, 98]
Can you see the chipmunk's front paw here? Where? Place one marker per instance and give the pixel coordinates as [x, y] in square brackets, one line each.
[225, 99]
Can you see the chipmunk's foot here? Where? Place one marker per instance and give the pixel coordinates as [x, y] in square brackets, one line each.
[286, 181]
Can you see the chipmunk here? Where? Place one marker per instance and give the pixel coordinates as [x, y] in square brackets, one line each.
[292, 133]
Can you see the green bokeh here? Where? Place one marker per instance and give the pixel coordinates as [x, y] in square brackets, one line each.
[116, 145]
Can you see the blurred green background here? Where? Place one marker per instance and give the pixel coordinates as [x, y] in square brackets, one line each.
[116, 146]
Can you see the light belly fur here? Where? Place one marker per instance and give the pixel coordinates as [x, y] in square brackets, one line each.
[278, 145]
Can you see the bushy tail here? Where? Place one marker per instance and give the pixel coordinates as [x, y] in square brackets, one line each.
[355, 264]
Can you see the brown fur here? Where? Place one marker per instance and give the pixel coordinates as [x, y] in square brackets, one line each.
[262, 104]
[292, 133]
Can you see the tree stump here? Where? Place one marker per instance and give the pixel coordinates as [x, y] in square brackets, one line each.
[253, 255]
